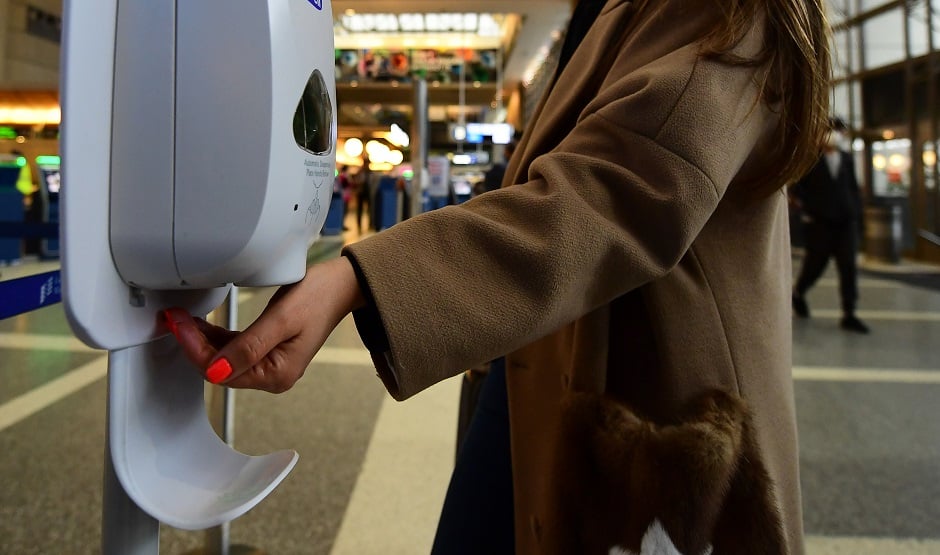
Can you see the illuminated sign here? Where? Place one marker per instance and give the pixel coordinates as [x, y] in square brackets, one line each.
[500, 132]
[481, 24]
[48, 160]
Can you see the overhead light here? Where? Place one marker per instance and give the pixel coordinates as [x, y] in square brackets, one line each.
[353, 147]
[22, 116]
[377, 151]
[480, 24]
[930, 158]
[398, 137]
[898, 161]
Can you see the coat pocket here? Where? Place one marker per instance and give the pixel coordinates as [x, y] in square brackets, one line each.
[631, 486]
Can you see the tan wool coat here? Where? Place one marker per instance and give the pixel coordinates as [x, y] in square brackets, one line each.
[641, 296]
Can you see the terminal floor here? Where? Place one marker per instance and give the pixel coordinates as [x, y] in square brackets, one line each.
[372, 472]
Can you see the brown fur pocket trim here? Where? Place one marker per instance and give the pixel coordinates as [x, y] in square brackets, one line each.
[619, 474]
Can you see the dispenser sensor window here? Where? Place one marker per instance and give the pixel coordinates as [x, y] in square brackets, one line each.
[313, 117]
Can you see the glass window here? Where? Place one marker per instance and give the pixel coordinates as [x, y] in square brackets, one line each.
[935, 22]
[841, 66]
[884, 39]
[854, 118]
[852, 48]
[838, 11]
[919, 29]
[840, 100]
[871, 4]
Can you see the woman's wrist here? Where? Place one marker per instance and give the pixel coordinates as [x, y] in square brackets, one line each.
[334, 283]
[349, 285]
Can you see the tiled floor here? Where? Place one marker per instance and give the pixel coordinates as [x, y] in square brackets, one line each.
[372, 472]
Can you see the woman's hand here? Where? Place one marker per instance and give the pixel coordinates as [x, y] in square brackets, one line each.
[274, 351]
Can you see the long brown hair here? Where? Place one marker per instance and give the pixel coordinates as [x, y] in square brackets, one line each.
[795, 76]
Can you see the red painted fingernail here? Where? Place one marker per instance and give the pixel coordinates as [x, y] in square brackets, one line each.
[171, 323]
[218, 371]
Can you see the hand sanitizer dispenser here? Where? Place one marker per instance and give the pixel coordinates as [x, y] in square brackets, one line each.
[197, 151]
[236, 115]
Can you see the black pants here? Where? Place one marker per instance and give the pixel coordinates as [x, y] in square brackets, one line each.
[825, 241]
[477, 516]
[364, 203]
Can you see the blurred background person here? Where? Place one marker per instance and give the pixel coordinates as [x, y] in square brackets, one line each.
[364, 195]
[493, 178]
[831, 206]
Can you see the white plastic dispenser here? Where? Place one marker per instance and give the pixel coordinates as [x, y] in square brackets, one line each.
[198, 151]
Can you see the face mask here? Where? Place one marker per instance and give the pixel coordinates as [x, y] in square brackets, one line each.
[834, 140]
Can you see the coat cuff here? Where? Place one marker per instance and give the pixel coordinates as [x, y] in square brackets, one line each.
[372, 332]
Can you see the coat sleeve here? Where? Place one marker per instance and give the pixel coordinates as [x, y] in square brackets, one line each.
[615, 205]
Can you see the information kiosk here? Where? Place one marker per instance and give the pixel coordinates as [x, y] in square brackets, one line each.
[11, 206]
[50, 181]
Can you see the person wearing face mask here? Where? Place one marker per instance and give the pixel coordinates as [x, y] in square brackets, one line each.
[832, 208]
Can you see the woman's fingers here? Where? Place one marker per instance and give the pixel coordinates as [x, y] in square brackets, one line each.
[266, 351]
[222, 354]
[217, 335]
[265, 356]
[194, 341]
[273, 353]
[277, 372]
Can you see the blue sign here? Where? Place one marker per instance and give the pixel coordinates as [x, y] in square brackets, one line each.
[318, 4]
[29, 293]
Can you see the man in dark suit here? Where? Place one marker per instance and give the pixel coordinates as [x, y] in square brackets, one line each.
[829, 199]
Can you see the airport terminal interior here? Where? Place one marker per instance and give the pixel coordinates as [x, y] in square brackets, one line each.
[372, 472]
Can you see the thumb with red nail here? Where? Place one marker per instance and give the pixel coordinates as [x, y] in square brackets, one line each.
[274, 351]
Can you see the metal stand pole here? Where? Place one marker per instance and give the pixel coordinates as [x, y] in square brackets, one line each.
[221, 411]
[419, 145]
[125, 528]
[222, 399]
